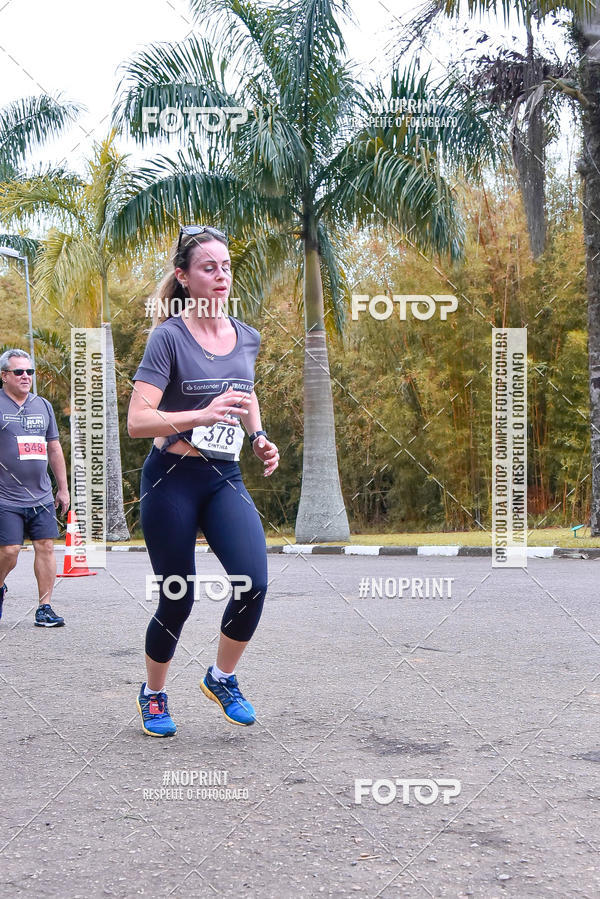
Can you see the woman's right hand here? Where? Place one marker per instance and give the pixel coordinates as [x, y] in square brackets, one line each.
[221, 407]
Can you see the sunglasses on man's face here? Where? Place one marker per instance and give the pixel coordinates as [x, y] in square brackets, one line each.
[21, 371]
[192, 230]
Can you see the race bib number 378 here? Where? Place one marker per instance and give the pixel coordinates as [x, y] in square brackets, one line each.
[219, 441]
[32, 448]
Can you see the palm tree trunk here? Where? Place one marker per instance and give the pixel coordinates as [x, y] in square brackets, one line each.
[589, 168]
[528, 153]
[321, 512]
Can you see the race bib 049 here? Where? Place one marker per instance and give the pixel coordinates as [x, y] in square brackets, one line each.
[219, 441]
[31, 447]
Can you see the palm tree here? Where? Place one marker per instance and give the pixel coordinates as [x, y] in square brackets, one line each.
[72, 269]
[514, 82]
[25, 125]
[307, 166]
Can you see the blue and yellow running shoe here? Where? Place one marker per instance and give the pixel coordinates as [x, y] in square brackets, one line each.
[154, 712]
[227, 694]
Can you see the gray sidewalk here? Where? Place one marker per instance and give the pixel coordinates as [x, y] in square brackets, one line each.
[496, 686]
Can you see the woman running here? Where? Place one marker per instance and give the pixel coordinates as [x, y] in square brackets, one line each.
[193, 388]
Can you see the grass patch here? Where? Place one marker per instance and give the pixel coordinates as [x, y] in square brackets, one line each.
[539, 537]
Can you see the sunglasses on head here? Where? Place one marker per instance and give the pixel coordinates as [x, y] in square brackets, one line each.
[192, 230]
[21, 371]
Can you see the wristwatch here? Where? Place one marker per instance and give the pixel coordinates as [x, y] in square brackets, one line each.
[256, 434]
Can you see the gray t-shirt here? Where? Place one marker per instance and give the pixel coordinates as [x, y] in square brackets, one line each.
[175, 362]
[24, 432]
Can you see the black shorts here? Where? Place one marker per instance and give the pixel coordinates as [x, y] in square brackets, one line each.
[35, 522]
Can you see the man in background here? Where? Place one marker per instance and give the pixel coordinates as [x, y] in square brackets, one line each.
[28, 441]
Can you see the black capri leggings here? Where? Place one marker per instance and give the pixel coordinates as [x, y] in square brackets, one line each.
[178, 496]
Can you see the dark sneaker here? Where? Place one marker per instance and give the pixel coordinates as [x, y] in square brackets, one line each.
[46, 617]
[227, 694]
[154, 711]
[3, 591]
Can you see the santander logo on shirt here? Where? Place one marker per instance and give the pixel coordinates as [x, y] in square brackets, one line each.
[215, 386]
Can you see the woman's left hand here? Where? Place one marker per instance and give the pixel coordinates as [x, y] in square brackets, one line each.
[267, 452]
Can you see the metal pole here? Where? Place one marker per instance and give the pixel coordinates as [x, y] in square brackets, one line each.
[31, 350]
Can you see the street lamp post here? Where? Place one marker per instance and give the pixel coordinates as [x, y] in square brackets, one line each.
[13, 254]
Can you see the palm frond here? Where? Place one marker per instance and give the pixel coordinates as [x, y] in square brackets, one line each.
[521, 10]
[316, 84]
[336, 290]
[245, 35]
[447, 117]
[271, 152]
[54, 193]
[67, 275]
[257, 258]
[52, 362]
[178, 75]
[53, 340]
[26, 246]
[171, 192]
[377, 185]
[27, 123]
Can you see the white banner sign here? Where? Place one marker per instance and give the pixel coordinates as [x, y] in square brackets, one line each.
[509, 447]
[88, 446]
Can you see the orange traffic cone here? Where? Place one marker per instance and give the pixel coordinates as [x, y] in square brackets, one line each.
[75, 564]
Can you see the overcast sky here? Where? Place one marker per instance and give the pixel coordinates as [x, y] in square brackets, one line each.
[76, 48]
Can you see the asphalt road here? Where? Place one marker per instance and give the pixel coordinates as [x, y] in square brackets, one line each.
[496, 686]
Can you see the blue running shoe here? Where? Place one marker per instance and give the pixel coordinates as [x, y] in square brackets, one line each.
[154, 711]
[3, 590]
[45, 616]
[227, 694]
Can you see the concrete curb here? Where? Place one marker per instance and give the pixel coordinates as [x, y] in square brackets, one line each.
[533, 552]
